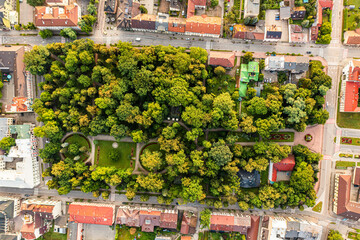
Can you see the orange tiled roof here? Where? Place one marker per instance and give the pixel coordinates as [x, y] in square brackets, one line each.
[91, 214]
[154, 213]
[66, 16]
[352, 96]
[204, 25]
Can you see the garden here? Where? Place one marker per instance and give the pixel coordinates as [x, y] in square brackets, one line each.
[126, 233]
[351, 16]
[220, 236]
[348, 120]
[282, 137]
[119, 157]
[350, 141]
[76, 145]
[344, 164]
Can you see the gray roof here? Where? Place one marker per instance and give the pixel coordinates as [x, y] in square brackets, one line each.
[4, 128]
[284, 12]
[8, 237]
[6, 212]
[276, 62]
[252, 7]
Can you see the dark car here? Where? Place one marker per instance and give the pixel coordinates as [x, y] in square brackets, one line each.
[308, 52]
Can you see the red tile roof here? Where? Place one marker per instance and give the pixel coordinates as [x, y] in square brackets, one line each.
[252, 232]
[28, 231]
[351, 96]
[353, 40]
[168, 220]
[153, 213]
[221, 223]
[345, 207]
[191, 6]
[357, 176]
[66, 16]
[177, 25]
[354, 73]
[91, 214]
[203, 25]
[314, 33]
[285, 165]
[186, 238]
[225, 59]
[323, 4]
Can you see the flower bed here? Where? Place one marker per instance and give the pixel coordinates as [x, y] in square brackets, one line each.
[308, 138]
[282, 137]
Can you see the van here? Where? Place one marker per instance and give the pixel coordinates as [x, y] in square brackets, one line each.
[138, 39]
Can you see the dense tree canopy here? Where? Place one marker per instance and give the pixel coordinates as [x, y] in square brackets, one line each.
[129, 92]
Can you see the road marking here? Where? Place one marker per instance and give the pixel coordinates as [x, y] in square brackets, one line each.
[208, 44]
[345, 53]
[327, 157]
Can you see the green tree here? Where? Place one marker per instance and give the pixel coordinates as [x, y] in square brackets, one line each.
[248, 57]
[205, 218]
[143, 9]
[37, 60]
[46, 33]
[214, 3]
[69, 33]
[152, 161]
[35, 3]
[334, 235]
[220, 153]
[6, 143]
[220, 71]
[92, 10]
[192, 189]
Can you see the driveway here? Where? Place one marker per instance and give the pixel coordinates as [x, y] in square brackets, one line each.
[98, 232]
[26, 13]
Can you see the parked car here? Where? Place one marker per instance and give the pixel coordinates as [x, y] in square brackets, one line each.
[308, 52]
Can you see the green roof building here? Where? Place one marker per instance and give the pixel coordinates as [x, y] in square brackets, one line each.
[243, 89]
[253, 70]
[244, 75]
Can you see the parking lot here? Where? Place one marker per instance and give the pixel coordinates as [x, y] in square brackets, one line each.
[26, 13]
[98, 232]
[270, 20]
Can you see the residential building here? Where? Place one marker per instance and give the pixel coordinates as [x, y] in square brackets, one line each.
[297, 34]
[9, 209]
[57, 18]
[323, 4]
[343, 204]
[195, 5]
[144, 22]
[249, 179]
[281, 171]
[314, 33]
[147, 218]
[249, 72]
[92, 213]
[168, 219]
[224, 59]
[19, 105]
[20, 167]
[302, 229]
[251, 8]
[356, 177]
[174, 5]
[225, 222]
[294, 64]
[162, 22]
[203, 26]
[56, 2]
[10, 15]
[352, 37]
[38, 216]
[298, 13]
[253, 231]
[128, 216]
[242, 31]
[273, 228]
[285, 12]
[177, 25]
[188, 222]
[349, 95]
[273, 33]
[110, 6]
[12, 68]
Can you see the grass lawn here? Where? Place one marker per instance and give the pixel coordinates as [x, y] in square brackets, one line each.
[318, 207]
[358, 164]
[51, 235]
[353, 2]
[124, 234]
[123, 152]
[348, 120]
[82, 141]
[264, 176]
[151, 147]
[345, 164]
[353, 235]
[220, 236]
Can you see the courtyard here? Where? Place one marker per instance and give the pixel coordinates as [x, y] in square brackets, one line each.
[119, 157]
